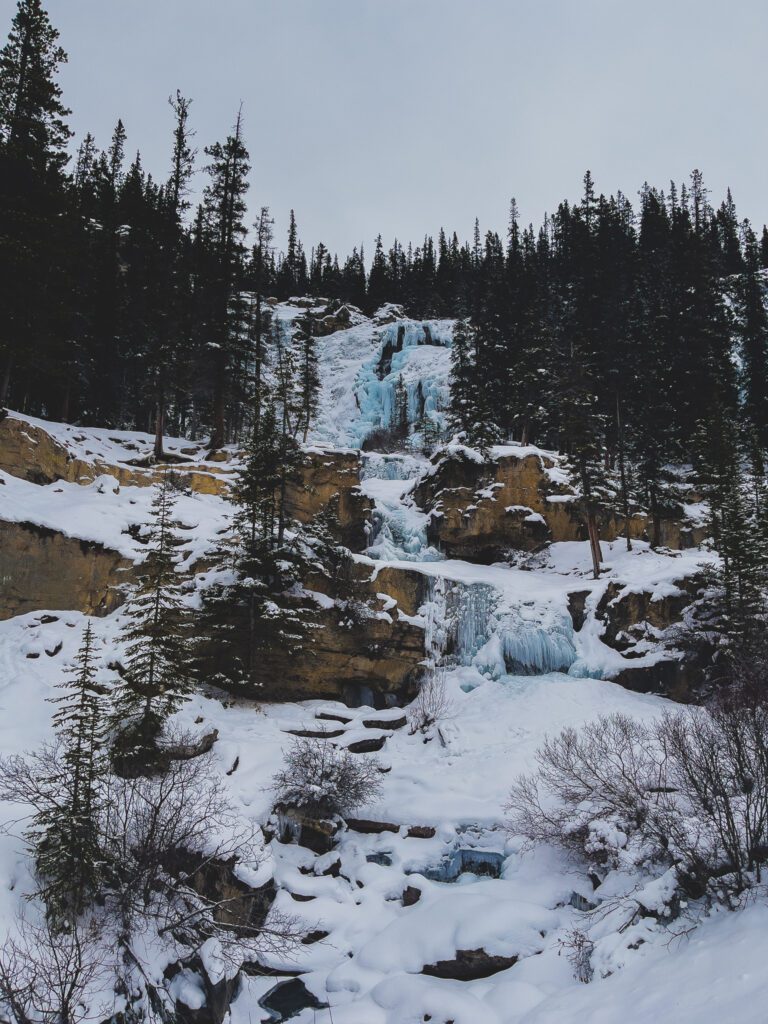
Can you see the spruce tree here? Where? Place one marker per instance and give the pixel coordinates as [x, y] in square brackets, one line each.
[65, 834]
[737, 611]
[33, 140]
[241, 616]
[157, 676]
[400, 420]
[753, 331]
[224, 226]
[308, 378]
[32, 116]
[261, 264]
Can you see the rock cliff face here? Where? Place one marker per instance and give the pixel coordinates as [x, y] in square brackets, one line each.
[329, 483]
[41, 570]
[327, 479]
[366, 644]
[482, 511]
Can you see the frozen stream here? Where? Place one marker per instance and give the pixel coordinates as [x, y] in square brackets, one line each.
[501, 621]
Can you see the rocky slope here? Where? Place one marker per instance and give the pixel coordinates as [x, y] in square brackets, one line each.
[421, 907]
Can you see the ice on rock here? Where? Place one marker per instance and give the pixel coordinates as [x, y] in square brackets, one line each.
[478, 627]
[398, 530]
[361, 370]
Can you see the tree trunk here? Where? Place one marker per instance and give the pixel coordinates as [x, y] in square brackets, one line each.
[65, 400]
[593, 529]
[6, 382]
[217, 428]
[159, 425]
[594, 541]
[623, 473]
[655, 518]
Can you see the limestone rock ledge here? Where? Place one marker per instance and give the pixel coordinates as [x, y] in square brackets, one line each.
[327, 479]
[41, 569]
[482, 511]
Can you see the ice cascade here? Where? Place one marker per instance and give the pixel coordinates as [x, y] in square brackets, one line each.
[479, 627]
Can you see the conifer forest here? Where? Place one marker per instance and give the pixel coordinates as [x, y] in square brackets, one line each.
[382, 630]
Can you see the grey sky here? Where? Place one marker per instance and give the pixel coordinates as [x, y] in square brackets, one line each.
[403, 115]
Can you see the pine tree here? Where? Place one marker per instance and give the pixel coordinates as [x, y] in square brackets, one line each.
[168, 337]
[738, 523]
[260, 269]
[65, 835]
[157, 678]
[753, 331]
[400, 419]
[33, 140]
[241, 618]
[224, 206]
[308, 378]
[32, 117]
[287, 399]
[378, 279]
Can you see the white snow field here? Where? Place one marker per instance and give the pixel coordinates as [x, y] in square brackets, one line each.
[520, 672]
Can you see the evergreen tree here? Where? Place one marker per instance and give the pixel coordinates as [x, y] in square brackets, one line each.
[33, 139]
[64, 833]
[242, 618]
[308, 378]
[168, 337]
[400, 420]
[378, 279]
[737, 611]
[289, 405]
[156, 679]
[753, 331]
[261, 265]
[224, 210]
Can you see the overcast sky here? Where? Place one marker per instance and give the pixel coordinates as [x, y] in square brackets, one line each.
[399, 116]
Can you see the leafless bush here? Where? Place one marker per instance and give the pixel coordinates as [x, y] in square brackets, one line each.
[148, 819]
[579, 949]
[168, 847]
[45, 973]
[690, 791]
[602, 772]
[432, 704]
[717, 762]
[385, 439]
[325, 780]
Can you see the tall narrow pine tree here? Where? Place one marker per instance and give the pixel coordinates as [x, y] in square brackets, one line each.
[157, 674]
[65, 834]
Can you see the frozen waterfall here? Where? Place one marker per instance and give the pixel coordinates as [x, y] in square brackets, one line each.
[418, 354]
[479, 627]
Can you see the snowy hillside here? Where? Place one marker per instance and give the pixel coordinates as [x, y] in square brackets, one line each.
[425, 907]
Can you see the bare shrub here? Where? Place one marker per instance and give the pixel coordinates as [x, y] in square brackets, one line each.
[325, 780]
[717, 761]
[602, 772]
[432, 704]
[385, 439]
[168, 847]
[579, 949]
[45, 973]
[149, 821]
[689, 791]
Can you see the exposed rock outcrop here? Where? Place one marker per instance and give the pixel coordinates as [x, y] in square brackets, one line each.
[481, 511]
[469, 965]
[366, 659]
[42, 569]
[328, 480]
[329, 486]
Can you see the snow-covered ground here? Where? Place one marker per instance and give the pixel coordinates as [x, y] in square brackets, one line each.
[369, 967]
